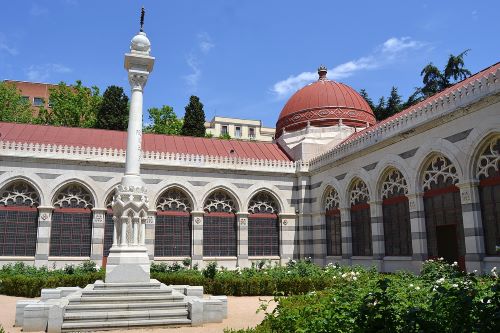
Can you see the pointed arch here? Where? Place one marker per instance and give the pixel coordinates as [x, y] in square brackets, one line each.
[487, 171]
[219, 224]
[395, 213]
[18, 218]
[443, 208]
[173, 223]
[331, 204]
[359, 198]
[263, 225]
[71, 227]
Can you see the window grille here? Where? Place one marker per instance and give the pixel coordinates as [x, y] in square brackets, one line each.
[18, 219]
[173, 235]
[219, 235]
[333, 233]
[360, 219]
[488, 172]
[396, 215]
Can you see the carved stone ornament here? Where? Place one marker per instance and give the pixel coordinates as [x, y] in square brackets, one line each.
[440, 168]
[197, 220]
[219, 201]
[44, 216]
[489, 161]
[285, 221]
[243, 221]
[19, 193]
[73, 196]
[394, 185]
[263, 203]
[174, 200]
[137, 79]
[332, 199]
[359, 192]
[465, 196]
[150, 220]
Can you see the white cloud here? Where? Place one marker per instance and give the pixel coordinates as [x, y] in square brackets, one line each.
[193, 78]
[43, 72]
[5, 47]
[38, 11]
[385, 53]
[205, 42]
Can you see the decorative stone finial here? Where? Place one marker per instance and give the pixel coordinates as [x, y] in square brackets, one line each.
[142, 18]
[322, 72]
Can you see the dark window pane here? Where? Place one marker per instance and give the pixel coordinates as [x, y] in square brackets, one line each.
[71, 234]
[219, 236]
[173, 236]
[263, 236]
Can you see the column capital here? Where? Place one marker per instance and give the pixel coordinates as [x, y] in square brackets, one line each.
[242, 214]
[468, 184]
[197, 213]
[46, 209]
[99, 210]
[287, 215]
[375, 202]
[415, 195]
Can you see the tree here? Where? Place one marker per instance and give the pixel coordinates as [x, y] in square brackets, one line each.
[164, 121]
[113, 110]
[455, 68]
[73, 106]
[194, 119]
[379, 109]
[13, 107]
[433, 80]
[393, 105]
[368, 100]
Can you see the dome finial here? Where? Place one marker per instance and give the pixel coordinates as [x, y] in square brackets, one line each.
[322, 72]
[142, 18]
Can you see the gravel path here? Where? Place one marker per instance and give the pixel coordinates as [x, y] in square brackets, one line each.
[241, 314]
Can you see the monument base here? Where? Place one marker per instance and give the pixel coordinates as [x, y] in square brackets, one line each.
[127, 264]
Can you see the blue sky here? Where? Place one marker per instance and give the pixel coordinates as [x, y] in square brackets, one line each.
[244, 58]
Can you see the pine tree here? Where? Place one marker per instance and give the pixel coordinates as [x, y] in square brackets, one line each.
[368, 100]
[393, 103]
[194, 119]
[113, 111]
[380, 109]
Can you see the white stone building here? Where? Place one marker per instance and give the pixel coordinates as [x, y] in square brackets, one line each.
[237, 128]
[335, 186]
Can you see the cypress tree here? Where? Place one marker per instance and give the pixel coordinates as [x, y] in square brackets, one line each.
[113, 111]
[194, 118]
[393, 103]
[368, 100]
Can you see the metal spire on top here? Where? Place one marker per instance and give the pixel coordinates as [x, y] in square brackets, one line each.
[142, 18]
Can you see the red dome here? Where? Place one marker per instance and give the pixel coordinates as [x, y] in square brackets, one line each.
[324, 103]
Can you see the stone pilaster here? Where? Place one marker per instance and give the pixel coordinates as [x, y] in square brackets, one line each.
[242, 238]
[346, 233]
[43, 236]
[319, 238]
[197, 239]
[377, 226]
[150, 233]
[97, 247]
[288, 248]
[417, 226]
[473, 227]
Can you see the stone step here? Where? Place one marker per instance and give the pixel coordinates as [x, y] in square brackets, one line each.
[126, 299]
[124, 306]
[121, 324]
[111, 292]
[130, 285]
[125, 315]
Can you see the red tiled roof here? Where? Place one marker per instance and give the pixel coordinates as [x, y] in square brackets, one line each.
[458, 85]
[88, 137]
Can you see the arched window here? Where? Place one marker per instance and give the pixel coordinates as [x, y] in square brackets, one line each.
[18, 219]
[488, 173]
[333, 224]
[443, 211]
[396, 215]
[173, 224]
[219, 225]
[108, 225]
[263, 226]
[71, 229]
[360, 219]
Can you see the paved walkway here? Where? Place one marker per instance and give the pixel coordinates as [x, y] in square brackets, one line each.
[241, 314]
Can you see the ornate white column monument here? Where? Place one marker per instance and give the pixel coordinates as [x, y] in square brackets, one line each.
[128, 259]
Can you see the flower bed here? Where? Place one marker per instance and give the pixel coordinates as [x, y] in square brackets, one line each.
[441, 299]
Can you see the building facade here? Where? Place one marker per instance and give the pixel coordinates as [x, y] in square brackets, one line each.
[242, 129]
[36, 93]
[335, 186]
